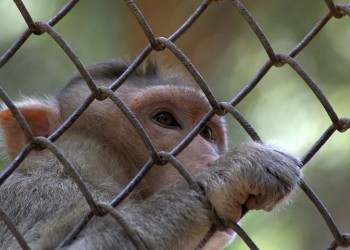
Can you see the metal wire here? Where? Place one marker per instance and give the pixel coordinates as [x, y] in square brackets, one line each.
[218, 108]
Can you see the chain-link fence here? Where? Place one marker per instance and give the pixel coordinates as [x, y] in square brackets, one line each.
[220, 108]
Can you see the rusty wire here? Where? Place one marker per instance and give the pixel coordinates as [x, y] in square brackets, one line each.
[223, 108]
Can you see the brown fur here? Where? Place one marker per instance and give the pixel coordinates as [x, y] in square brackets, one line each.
[166, 212]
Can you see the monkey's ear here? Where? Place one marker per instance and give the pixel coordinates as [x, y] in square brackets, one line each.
[42, 120]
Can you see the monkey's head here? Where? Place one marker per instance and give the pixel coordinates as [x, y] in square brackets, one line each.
[167, 105]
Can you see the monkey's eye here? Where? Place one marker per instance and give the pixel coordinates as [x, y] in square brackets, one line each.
[207, 134]
[166, 119]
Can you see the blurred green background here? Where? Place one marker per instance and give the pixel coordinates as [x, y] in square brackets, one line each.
[225, 50]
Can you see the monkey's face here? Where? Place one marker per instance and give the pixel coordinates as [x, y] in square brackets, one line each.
[167, 112]
[169, 116]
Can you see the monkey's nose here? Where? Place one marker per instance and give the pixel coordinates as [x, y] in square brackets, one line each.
[208, 159]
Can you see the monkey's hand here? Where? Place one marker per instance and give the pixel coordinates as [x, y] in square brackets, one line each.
[178, 217]
[251, 176]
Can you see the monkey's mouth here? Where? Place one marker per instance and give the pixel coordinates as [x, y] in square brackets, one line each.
[244, 210]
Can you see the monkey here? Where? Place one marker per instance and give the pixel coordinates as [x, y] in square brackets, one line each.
[165, 211]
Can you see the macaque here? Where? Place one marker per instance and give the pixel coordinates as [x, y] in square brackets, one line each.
[45, 203]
